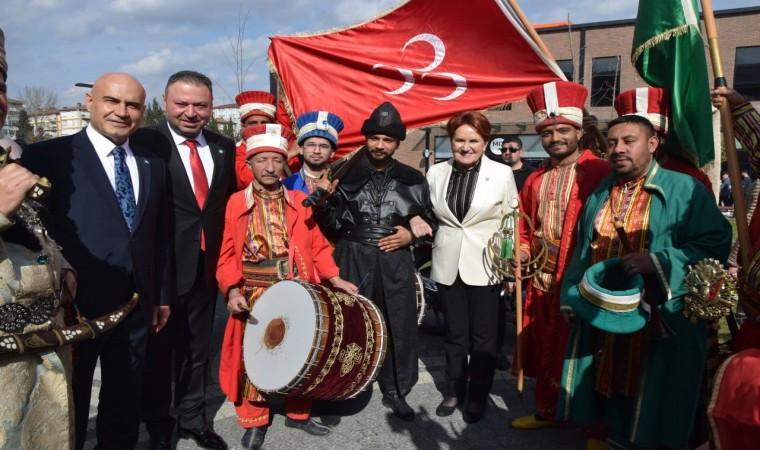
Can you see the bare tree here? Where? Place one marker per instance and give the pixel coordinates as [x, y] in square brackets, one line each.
[39, 102]
[237, 61]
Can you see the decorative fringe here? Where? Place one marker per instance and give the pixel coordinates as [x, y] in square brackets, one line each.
[281, 90]
[656, 40]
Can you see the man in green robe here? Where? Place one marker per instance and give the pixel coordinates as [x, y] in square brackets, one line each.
[642, 386]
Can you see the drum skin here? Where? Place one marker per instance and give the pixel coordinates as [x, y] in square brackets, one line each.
[306, 340]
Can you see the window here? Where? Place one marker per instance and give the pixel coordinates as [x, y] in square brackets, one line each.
[442, 148]
[747, 72]
[566, 66]
[605, 80]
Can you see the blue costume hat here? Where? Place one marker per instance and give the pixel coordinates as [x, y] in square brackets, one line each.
[610, 300]
[319, 124]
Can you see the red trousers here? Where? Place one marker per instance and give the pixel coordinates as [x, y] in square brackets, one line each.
[735, 409]
[256, 414]
[544, 339]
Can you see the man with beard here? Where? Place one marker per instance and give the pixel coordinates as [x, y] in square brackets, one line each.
[370, 213]
[552, 197]
[317, 139]
[641, 228]
[654, 105]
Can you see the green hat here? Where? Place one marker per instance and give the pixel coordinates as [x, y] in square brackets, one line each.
[610, 300]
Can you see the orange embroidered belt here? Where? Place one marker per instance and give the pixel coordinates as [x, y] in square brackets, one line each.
[265, 273]
[552, 248]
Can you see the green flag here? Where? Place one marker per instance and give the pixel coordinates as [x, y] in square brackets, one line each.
[668, 52]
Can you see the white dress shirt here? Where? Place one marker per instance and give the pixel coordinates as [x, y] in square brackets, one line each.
[103, 148]
[203, 151]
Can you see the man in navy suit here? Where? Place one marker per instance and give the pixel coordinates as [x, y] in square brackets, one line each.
[108, 205]
[200, 168]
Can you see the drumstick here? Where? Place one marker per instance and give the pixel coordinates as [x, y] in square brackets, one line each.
[244, 306]
[364, 278]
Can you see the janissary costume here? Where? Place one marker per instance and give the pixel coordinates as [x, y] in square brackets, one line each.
[251, 103]
[267, 237]
[367, 206]
[553, 196]
[735, 404]
[747, 129]
[37, 410]
[642, 386]
[35, 359]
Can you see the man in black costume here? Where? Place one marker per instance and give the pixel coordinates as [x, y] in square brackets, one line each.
[370, 214]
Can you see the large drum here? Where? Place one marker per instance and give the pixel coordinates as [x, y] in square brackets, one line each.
[305, 340]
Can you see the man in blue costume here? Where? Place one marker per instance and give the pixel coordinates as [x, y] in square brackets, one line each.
[318, 139]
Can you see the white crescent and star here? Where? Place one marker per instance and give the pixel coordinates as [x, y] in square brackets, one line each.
[439, 53]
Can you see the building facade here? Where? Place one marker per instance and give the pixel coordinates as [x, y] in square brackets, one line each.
[228, 115]
[71, 120]
[11, 121]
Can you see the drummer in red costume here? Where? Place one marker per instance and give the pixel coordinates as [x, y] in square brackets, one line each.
[256, 107]
[654, 105]
[266, 229]
[552, 197]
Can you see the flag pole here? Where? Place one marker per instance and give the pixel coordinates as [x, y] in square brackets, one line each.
[518, 305]
[600, 140]
[729, 142]
[740, 212]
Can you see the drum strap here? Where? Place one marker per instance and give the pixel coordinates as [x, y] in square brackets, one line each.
[265, 273]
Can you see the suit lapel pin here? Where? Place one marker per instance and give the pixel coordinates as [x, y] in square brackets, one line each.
[146, 161]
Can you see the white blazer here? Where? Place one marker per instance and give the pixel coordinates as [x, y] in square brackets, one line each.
[461, 246]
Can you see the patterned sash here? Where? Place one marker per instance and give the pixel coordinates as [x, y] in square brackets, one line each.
[619, 360]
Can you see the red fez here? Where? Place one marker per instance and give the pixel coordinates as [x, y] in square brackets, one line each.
[649, 102]
[269, 137]
[256, 103]
[557, 102]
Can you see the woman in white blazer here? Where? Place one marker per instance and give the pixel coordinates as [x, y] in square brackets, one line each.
[470, 194]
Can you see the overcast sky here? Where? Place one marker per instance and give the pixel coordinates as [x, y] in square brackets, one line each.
[57, 43]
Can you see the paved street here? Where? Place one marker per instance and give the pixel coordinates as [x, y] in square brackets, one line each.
[367, 424]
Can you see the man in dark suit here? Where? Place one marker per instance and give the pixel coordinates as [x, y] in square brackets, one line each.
[108, 209]
[200, 167]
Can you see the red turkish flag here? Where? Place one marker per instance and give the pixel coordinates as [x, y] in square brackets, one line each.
[430, 58]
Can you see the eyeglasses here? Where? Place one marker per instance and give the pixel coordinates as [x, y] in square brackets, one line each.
[511, 149]
[314, 145]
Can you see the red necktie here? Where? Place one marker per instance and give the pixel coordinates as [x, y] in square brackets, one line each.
[200, 182]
